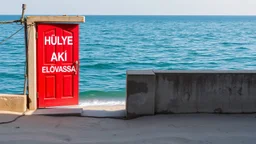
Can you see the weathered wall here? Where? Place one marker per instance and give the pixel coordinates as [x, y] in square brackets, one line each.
[13, 103]
[140, 91]
[204, 91]
[184, 92]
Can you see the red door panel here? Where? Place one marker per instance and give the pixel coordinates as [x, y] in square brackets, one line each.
[57, 64]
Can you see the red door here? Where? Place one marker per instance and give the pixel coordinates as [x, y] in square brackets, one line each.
[57, 64]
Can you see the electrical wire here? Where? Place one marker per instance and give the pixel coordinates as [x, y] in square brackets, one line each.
[4, 40]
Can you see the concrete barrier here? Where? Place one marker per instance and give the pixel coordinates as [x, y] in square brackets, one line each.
[203, 91]
[140, 91]
[13, 103]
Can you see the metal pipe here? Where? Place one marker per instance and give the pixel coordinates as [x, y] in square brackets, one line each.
[23, 12]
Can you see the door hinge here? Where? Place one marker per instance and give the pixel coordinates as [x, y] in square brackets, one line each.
[37, 95]
[36, 34]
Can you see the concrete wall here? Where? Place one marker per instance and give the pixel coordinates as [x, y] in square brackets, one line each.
[13, 103]
[203, 91]
[140, 93]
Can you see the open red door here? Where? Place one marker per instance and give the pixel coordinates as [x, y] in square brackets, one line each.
[57, 64]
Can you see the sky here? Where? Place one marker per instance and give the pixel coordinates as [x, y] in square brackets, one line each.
[130, 7]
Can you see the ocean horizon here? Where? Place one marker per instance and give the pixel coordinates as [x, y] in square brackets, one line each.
[112, 44]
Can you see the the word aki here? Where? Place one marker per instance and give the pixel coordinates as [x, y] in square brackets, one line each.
[60, 56]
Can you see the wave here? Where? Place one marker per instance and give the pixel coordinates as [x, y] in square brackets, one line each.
[242, 48]
[96, 98]
[233, 43]
[102, 98]
[101, 102]
[103, 94]
[11, 75]
[102, 66]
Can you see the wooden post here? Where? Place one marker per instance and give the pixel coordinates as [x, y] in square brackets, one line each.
[26, 57]
[32, 100]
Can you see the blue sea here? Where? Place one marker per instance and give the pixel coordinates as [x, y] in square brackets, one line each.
[110, 45]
